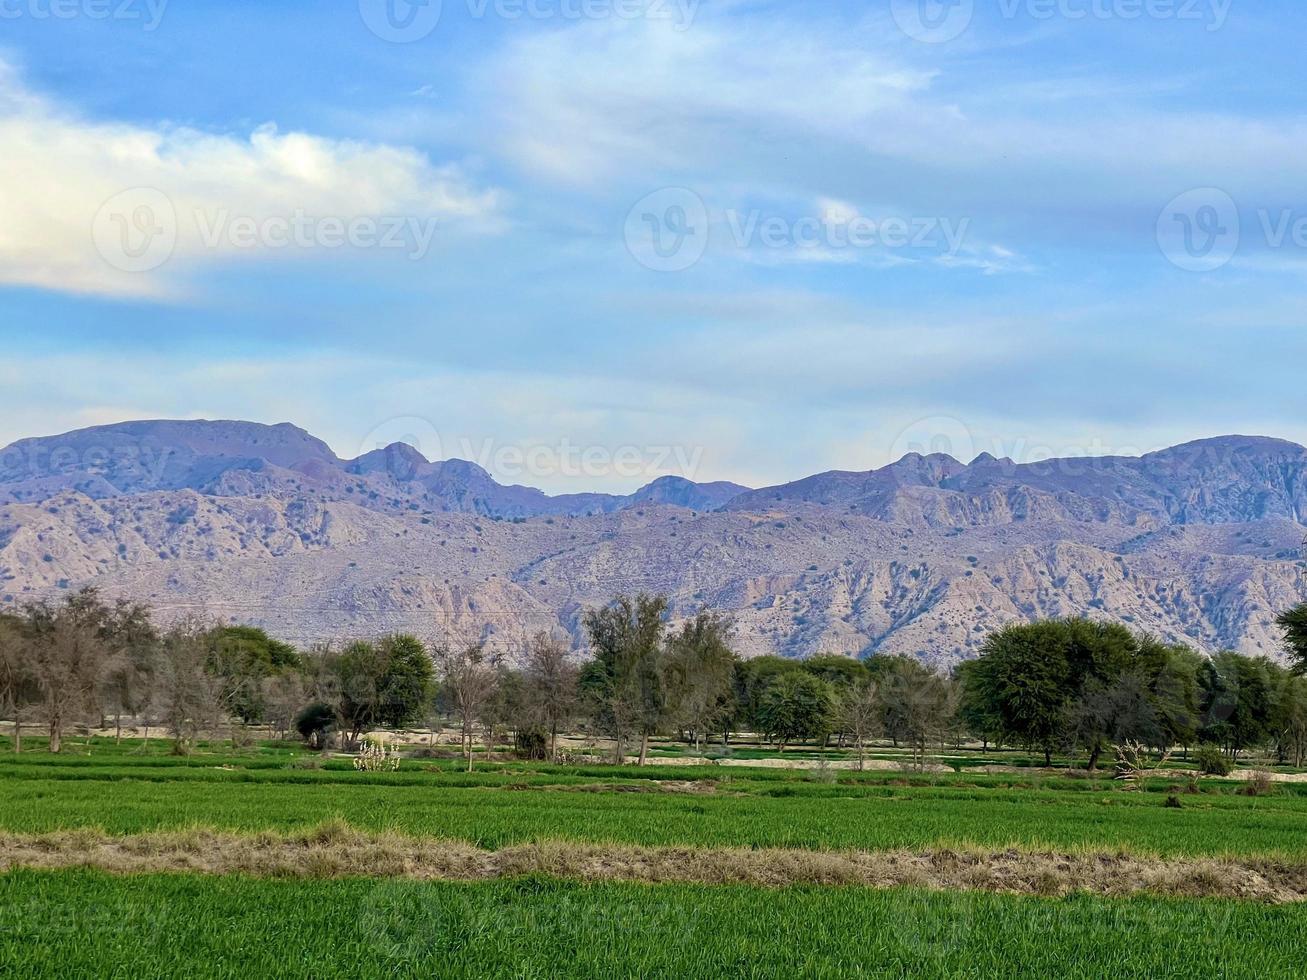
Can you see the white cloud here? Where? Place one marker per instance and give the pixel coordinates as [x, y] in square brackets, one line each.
[124, 209]
[748, 104]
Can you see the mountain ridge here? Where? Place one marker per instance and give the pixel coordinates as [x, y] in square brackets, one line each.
[1200, 542]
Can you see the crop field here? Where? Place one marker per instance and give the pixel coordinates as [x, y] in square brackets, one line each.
[73, 923]
[663, 870]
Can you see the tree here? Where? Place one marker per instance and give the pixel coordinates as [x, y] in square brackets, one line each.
[698, 670]
[70, 646]
[1024, 676]
[190, 696]
[406, 682]
[18, 689]
[1289, 720]
[386, 682]
[315, 723]
[975, 710]
[467, 683]
[131, 673]
[751, 680]
[914, 704]
[624, 681]
[796, 706]
[283, 696]
[243, 658]
[1237, 704]
[840, 672]
[1113, 712]
[1173, 670]
[550, 686]
[1294, 624]
[859, 716]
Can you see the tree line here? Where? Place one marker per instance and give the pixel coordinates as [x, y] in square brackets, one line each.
[1069, 686]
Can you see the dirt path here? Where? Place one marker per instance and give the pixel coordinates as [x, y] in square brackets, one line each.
[336, 850]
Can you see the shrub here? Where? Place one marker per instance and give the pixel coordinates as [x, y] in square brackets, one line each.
[1211, 761]
[376, 756]
[315, 724]
[1259, 785]
[531, 744]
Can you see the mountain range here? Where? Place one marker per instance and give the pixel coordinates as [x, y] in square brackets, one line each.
[1200, 543]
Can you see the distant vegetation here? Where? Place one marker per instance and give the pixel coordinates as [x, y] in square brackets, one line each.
[1071, 687]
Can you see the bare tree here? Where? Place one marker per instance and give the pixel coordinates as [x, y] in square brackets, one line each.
[859, 716]
[18, 690]
[284, 695]
[551, 686]
[916, 704]
[70, 648]
[130, 673]
[190, 697]
[468, 683]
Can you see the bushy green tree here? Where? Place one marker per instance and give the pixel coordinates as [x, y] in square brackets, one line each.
[1294, 624]
[1024, 675]
[698, 670]
[796, 706]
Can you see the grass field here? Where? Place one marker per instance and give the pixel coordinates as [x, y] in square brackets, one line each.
[87, 922]
[516, 803]
[74, 923]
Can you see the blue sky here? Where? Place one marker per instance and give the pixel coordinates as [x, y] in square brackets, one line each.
[1041, 227]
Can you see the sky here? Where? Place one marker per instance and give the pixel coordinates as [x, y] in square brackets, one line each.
[586, 243]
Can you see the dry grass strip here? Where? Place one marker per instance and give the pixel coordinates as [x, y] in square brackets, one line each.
[336, 850]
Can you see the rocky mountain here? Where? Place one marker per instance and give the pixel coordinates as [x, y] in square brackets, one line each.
[265, 524]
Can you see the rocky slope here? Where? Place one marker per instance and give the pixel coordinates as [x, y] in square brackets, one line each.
[265, 524]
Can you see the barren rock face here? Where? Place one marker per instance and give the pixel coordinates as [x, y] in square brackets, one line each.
[264, 524]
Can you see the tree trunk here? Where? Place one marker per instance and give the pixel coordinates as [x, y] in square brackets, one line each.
[1094, 754]
[619, 751]
[56, 738]
[644, 747]
[18, 735]
[862, 755]
[118, 728]
[1048, 757]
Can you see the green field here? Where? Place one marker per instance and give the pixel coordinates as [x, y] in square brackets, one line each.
[517, 803]
[77, 923]
[84, 922]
